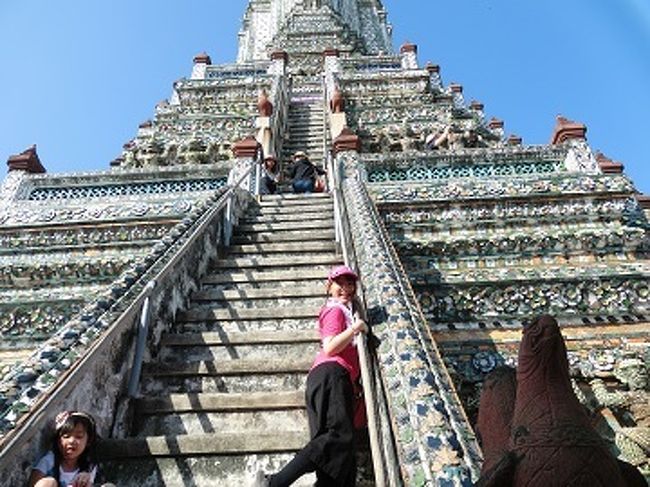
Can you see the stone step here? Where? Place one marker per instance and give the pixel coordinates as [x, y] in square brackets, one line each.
[301, 109]
[249, 326]
[309, 197]
[290, 206]
[260, 277]
[289, 210]
[235, 352]
[224, 470]
[204, 444]
[221, 402]
[237, 338]
[256, 304]
[281, 214]
[292, 215]
[232, 470]
[233, 367]
[313, 134]
[284, 236]
[247, 314]
[315, 224]
[245, 382]
[311, 143]
[304, 131]
[196, 423]
[305, 122]
[324, 259]
[297, 198]
[304, 290]
[283, 248]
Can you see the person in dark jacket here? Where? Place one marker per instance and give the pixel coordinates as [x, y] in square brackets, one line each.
[304, 173]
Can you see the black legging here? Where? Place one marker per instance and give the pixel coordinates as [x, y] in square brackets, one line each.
[331, 451]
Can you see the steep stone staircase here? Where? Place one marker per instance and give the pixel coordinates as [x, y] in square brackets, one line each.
[305, 123]
[225, 395]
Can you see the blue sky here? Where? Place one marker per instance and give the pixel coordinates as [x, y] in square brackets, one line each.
[78, 76]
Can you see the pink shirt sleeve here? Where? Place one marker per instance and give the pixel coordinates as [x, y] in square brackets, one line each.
[332, 322]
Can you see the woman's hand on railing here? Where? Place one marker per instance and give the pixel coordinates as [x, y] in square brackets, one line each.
[359, 326]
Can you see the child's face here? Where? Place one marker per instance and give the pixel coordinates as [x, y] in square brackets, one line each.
[73, 444]
[343, 289]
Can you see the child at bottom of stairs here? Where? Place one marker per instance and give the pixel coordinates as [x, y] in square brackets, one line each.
[71, 461]
[329, 394]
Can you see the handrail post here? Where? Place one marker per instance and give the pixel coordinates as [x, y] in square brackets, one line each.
[227, 223]
[143, 330]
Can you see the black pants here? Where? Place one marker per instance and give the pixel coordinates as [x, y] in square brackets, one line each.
[331, 450]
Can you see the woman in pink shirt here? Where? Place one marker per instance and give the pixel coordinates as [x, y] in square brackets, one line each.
[329, 395]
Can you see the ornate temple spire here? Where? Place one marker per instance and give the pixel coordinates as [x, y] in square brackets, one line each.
[268, 24]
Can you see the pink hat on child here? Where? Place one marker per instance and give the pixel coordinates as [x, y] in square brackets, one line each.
[341, 270]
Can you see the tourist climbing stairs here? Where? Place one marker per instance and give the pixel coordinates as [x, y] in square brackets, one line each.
[225, 395]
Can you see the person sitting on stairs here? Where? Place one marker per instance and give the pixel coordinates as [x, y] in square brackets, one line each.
[330, 393]
[304, 173]
[270, 176]
[71, 460]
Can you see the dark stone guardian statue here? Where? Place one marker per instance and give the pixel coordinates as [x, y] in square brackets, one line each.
[550, 441]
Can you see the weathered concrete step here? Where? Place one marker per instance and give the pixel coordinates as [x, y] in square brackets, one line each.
[204, 444]
[233, 367]
[260, 277]
[285, 236]
[199, 422]
[251, 304]
[305, 111]
[283, 324]
[305, 143]
[322, 259]
[236, 352]
[288, 200]
[304, 290]
[310, 197]
[237, 338]
[315, 224]
[243, 383]
[198, 471]
[311, 130]
[283, 247]
[254, 401]
[315, 207]
[289, 206]
[325, 204]
[296, 215]
[305, 119]
[212, 314]
[313, 148]
[300, 114]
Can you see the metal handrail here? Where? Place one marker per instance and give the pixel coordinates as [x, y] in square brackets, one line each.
[365, 357]
[224, 202]
[325, 124]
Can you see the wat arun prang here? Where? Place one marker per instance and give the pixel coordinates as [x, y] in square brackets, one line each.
[489, 230]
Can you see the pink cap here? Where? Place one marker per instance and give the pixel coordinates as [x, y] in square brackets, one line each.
[341, 270]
